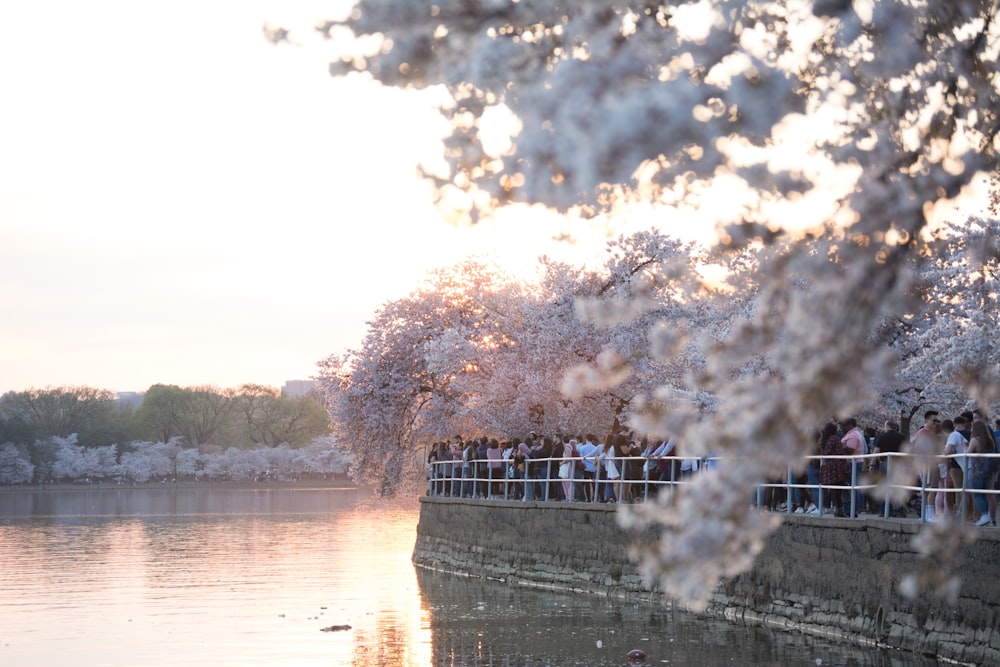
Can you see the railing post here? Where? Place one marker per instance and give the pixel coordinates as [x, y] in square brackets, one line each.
[820, 501]
[645, 479]
[788, 490]
[854, 483]
[923, 496]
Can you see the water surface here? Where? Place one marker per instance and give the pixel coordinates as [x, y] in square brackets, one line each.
[230, 576]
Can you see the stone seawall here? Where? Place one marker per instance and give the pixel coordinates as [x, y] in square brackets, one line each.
[819, 575]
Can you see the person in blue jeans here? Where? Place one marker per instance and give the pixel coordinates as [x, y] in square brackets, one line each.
[981, 469]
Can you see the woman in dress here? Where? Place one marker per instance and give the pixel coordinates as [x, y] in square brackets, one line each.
[833, 472]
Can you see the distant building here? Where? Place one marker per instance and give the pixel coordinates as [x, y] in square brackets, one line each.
[295, 388]
[129, 400]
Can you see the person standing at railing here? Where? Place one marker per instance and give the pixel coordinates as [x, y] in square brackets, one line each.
[854, 440]
[833, 471]
[612, 468]
[469, 469]
[981, 470]
[551, 488]
[482, 467]
[527, 449]
[651, 469]
[632, 471]
[927, 444]
[432, 457]
[979, 415]
[957, 444]
[536, 469]
[888, 442]
[666, 461]
[599, 474]
[517, 469]
[456, 467]
[587, 451]
[567, 467]
[494, 458]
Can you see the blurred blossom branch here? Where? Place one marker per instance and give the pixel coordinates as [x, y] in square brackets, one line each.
[841, 132]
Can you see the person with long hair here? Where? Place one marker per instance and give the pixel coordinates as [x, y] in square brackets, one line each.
[833, 472]
[979, 415]
[980, 469]
[612, 469]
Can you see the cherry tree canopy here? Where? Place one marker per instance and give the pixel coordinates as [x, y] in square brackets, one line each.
[834, 130]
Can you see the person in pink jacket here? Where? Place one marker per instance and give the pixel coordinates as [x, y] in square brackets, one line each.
[854, 440]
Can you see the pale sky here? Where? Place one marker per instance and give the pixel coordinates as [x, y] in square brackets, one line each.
[183, 203]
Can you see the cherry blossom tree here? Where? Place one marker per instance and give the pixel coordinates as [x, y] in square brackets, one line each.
[323, 456]
[946, 351]
[15, 466]
[145, 461]
[150, 461]
[76, 462]
[830, 132]
[402, 387]
[961, 281]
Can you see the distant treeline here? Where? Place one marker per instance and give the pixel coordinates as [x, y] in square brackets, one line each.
[40, 428]
[63, 460]
[250, 416]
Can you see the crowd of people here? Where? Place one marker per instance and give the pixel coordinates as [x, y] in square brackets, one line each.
[953, 483]
[622, 468]
[616, 468]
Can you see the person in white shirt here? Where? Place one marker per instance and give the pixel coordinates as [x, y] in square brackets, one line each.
[956, 466]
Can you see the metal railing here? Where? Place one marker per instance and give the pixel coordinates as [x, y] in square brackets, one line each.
[641, 478]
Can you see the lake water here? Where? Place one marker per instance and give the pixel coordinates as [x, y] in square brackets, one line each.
[228, 576]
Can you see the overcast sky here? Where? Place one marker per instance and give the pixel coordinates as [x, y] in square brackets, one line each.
[181, 202]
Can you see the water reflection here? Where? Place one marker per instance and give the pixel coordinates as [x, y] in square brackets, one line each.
[227, 576]
[198, 576]
[476, 622]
